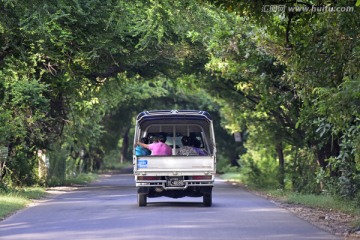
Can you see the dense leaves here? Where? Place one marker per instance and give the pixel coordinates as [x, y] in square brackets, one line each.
[318, 51]
[74, 73]
[68, 66]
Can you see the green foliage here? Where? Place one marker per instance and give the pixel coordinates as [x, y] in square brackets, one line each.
[307, 97]
[21, 168]
[13, 199]
[302, 171]
[73, 75]
[112, 160]
[258, 167]
[345, 184]
[24, 102]
[55, 62]
[80, 179]
[323, 201]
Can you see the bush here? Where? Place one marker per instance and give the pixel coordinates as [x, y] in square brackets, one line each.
[21, 168]
[223, 165]
[112, 160]
[302, 170]
[57, 168]
[259, 169]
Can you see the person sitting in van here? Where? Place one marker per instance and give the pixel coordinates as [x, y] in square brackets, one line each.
[196, 145]
[158, 147]
[141, 151]
[186, 148]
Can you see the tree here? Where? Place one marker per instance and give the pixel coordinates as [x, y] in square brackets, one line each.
[317, 51]
[72, 62]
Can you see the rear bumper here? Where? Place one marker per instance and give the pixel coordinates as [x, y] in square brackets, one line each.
[162, 184]
[153, 192]
[165, 183]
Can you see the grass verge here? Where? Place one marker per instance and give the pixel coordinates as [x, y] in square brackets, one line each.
[114, 166]
[81, 179]
[324, 201]
[316, 201]
[14, 199]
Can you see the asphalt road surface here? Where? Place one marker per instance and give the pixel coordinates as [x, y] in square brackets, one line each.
[107, 209]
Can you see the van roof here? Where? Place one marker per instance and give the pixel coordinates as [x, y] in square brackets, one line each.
[172, 115]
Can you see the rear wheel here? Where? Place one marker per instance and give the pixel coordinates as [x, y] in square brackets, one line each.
[142, 200]
[207, 199]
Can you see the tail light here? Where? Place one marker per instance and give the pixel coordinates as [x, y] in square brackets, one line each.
[203, 177]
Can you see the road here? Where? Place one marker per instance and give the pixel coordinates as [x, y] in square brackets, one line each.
[107, 209]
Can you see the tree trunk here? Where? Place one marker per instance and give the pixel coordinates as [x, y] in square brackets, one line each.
[43, 163]
[125, 145]
[2, 170]
[330, 149]
[4, 154]
[280, 154]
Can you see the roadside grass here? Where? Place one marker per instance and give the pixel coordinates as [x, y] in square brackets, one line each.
[81, 179]
[14, 199]
[112, 163]
[322, 201]
[115, 166]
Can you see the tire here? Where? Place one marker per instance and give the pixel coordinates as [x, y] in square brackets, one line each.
[142, 200]
[207, 199]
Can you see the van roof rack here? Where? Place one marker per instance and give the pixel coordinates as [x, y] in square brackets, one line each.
[173, 115]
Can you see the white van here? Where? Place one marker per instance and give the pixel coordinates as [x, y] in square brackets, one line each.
[176, 176]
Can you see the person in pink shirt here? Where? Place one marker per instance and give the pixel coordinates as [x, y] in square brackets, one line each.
[158, 147]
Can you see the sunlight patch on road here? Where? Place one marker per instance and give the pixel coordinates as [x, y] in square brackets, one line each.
[267, 210]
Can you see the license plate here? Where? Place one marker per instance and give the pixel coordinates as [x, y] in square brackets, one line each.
[175, 182]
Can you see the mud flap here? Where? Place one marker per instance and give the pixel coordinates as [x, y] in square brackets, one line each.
[143, 190]
[206, 190]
